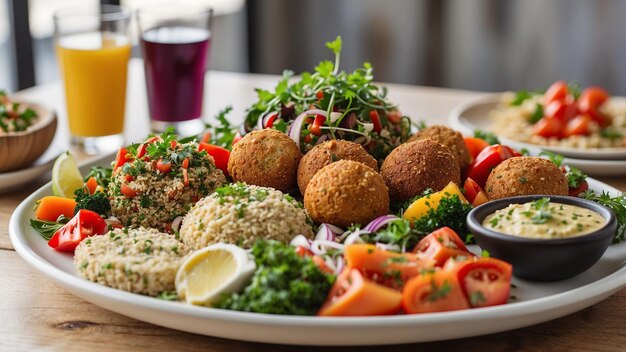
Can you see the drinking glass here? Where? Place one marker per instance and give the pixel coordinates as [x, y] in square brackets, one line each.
[93, 47]
[175, 45]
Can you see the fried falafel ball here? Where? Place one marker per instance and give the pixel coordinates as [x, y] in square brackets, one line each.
[448, 137]
[266, 158]
[526, 175]
[415, 166]
[327, 153]
[346, 192]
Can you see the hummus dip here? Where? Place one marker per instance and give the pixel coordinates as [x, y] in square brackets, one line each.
[543, 219]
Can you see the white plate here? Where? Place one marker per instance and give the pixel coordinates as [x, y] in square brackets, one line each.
[536, 302]
[475, 115]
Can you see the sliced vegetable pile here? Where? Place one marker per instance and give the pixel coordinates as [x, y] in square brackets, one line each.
[565, 110]
[323, 105]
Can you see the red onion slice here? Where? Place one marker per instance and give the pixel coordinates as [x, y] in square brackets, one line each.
[380, 222]
[301, 241]
[318, 247]
[325, 233]
[296, 127]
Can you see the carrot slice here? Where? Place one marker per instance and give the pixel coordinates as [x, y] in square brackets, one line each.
[51, 207]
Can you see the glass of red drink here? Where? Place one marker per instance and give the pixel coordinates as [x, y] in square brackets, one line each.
[175, 44]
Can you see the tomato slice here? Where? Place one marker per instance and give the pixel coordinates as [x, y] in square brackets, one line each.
[473, 193]
[475, 146]
[577, 126]
[378, 126]
[270, 120]
[549, 127]
[433, 292]
[575, 192]
[442, 245]
[561, 110]
[219, 154]
[481, 198]
[591, 98]
[84, 224]
[121, 158]
[354, 295]
[485, 281]
[556, 92]
[385, 267]
[487, 160]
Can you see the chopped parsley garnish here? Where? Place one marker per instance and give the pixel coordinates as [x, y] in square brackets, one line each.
[616, 204]
[488, 137]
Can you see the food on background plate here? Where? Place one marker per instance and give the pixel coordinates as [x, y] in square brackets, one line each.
[267, 158]
[544, 219]
[136, 260]
[159, 180]
[450, 138]
[346, 192]
[526, 175]
[14, 116]
[329, 152]
[416, 166]
[212, 271]
[563, 116]
[242, 214]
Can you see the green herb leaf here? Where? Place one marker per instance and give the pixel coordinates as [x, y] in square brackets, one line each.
[489, 137]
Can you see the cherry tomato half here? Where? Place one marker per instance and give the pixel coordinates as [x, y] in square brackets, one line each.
[561, 110]
[442, 245]
[485, 281]
[549, 127]
[556, 92]
[354, 295]
[385, 267]
[433, 292]
[488, 159]
[219, 154]
[578, 126]
[590, 101]
[84, 224]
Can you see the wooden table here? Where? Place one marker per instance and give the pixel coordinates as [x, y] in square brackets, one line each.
[39, 315]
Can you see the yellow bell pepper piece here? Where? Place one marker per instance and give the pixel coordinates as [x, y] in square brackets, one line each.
[421, 206]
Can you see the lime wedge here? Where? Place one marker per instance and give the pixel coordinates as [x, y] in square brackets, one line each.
[66, 177]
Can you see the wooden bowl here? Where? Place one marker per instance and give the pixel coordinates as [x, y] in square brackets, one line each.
[20, 149]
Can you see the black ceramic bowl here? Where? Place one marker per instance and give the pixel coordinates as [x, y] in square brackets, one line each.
[544, 259]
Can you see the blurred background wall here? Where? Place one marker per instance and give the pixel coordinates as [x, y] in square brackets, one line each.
[489, 45]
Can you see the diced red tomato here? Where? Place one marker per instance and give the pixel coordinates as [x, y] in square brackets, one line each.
[433, 292]
[320, 94]
[473, 193]
[270, 120]
[475, 146]
[220, 155]
[354, 295]
[577, 126]
[378, 126]
[488, 159]
[485, 281]
[385, 267]
[127, 191]
[442, 245]
[186, 163]
[121, 158]
[84, 224]
[173, 144]
[318, 122]
[164, 166]
[128, 177]
[185, 177]
[394, 116]
[556, 92]
[549, 127]
[582, 187]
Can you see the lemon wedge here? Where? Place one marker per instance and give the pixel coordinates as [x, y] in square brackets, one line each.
[207, 273]
[66, 177]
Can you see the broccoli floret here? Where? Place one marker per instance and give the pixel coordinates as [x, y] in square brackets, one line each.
[451, 212]
[97, 202]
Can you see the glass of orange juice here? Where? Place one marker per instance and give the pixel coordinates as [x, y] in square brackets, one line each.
[93, 48]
